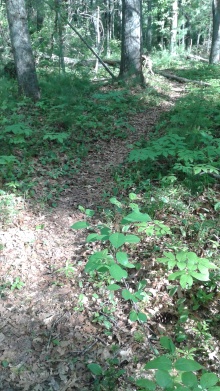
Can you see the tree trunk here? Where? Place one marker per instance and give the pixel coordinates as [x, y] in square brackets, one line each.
[149, 26]
[215, 48]
[59, 29]
[173, 38]
[22, 51]
[131, 64]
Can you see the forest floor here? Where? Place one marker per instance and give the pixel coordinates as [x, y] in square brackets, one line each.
[47, 338]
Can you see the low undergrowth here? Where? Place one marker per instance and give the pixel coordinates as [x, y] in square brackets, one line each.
[185, 148]
[166, 230]
[151, 260]
[136, 246]
[46, 141]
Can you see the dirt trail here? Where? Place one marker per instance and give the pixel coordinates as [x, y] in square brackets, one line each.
[43, 342]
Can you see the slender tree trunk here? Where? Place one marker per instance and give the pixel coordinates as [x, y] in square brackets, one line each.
[173, 38]
[215, 48]
[188, 33]
[59, 28]
[22, 51]
[131, 48]
[109, 9]
[149, 25]
[98, 38]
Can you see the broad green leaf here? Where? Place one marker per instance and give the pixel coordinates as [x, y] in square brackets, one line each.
[89, 212]
[163, 379]
[97, 260]
[146, 384]
[205, 262]
[200, 276]
[104, 230]
[186, 365]
[179, 387]
[192, 256]
[117, 272]
[175, 275]
[126, 294]
[132, 239]
[122, 258]
[186, 281]
[183, 318]
[217, 206]
[114, 201]
[117, 239]
[126, 228]
[132, 196]
[94, 237]
[181, 256]
[162, 362]
[113, 287]
[181, 265]
[168, 344]
[191, 265]
[142, 284]
[173, 290]
[133, 316]
[136, 217]
[189, 379]
[134, 207]
[95, 369]
[139, 295]
[142, 317]
[169, 255]
[208, 380]
[203, 269]
[80, 225]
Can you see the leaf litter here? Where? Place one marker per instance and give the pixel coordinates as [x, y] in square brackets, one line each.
[53, 325]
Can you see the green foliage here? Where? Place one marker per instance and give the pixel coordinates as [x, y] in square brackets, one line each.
[68, 270]
[174, 373]
[185, 146]
[114, 261]
[17, 284]
[8, 207]
[106, 378]
[51, 137]
[176, 155]
[190, 267]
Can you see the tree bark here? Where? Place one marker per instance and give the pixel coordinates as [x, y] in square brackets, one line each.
[149, 26]
[59, 29]
[215, 48]
[22, 51]
[131, 47]
[173, 38]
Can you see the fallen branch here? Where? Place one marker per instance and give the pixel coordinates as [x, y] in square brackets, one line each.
[196, 58]
[85, 42]
[182, 79]
[92, 50]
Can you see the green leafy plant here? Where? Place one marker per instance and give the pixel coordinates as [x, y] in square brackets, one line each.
[106, 378]
[114, 260]
[68, 269]
[190, 266]
[201, 298]
[17, 284]
[176, 373]
[20, 132]
[174, 154]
